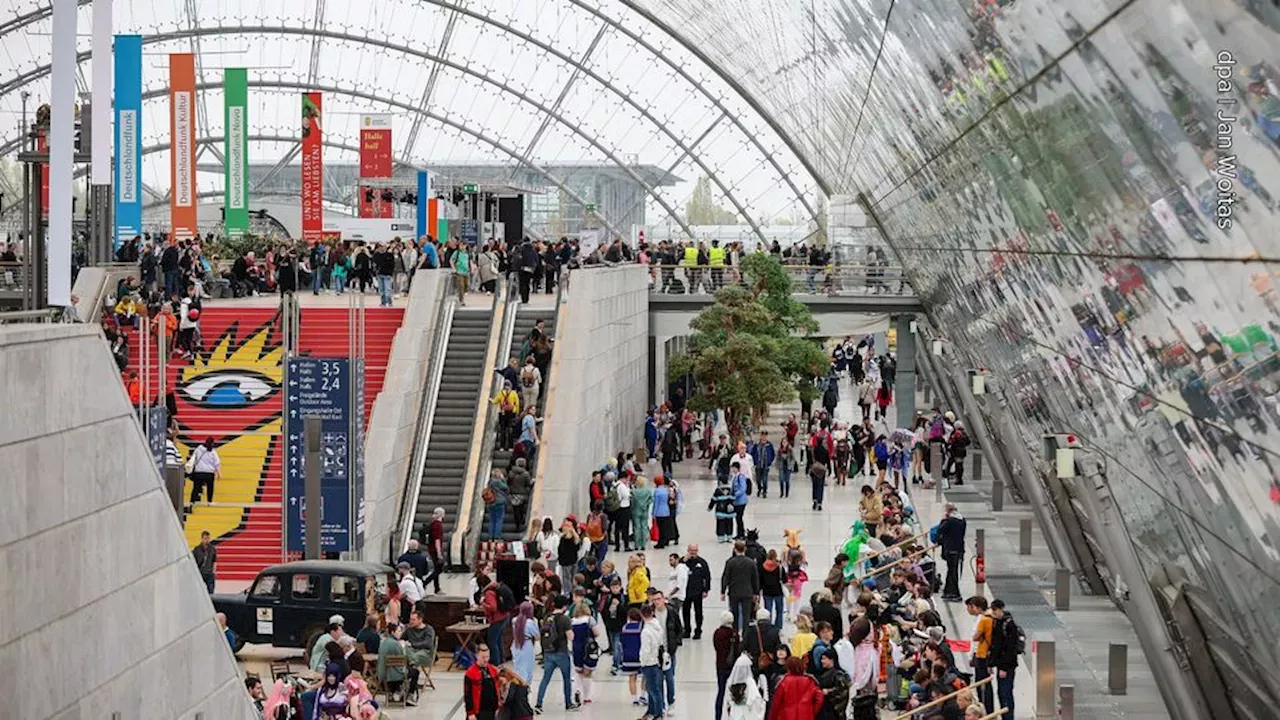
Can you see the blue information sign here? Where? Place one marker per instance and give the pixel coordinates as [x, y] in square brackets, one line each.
[320, 388]
[470, 232]
[159, 422]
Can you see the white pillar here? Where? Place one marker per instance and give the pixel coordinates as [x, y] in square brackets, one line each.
[102, 90]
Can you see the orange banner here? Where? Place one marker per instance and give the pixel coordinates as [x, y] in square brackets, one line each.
[433, 216]
[182, 147]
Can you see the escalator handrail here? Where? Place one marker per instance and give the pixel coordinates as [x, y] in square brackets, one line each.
[470, 506]
[426, 421]
[490, 425]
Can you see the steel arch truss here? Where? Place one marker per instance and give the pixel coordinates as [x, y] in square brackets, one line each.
[457, 8]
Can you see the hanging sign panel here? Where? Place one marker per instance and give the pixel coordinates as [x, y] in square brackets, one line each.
[312, 169]
[235, 91]
[182, 135]
[128, 102]
[375, 162]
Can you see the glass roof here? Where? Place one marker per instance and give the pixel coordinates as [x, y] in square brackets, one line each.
[555, 82]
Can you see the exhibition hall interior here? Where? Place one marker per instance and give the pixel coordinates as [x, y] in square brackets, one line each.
[421, 359]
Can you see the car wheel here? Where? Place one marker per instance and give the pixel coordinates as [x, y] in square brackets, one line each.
[312, 634]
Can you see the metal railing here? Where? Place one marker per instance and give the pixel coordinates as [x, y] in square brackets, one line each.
[13, 278]
[470, 507]
[425, 424]
[47, 315]
[830, 279]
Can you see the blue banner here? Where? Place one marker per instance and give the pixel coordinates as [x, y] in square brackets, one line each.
[424, 190]
[128, 160]
[159, 427]
[320, 388]
[357, 454]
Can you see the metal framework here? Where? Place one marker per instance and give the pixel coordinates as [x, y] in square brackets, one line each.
[457, 9]
[430, 88]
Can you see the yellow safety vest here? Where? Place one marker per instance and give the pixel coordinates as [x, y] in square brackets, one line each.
[691, 256]
[717, 257]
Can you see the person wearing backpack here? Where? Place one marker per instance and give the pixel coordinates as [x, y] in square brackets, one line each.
[597, 529]
[741, 488]
[958, 448]
[1007, 643]
[499, 603]
[557, 637]
[495, 497]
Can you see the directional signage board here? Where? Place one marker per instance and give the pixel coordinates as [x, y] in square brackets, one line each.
[159, 422]
[470, 231]
[470, 188]
[320, 388]
[357, 456]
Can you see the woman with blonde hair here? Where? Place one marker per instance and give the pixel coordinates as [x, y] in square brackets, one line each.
[515, 694]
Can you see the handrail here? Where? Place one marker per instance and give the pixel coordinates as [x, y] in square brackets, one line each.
[892, 547]
[994, 715]
[426, 421]
[45, 315]
[552, 378]
[469, 490]
[489, 422]
[884, 568]
[936, 703]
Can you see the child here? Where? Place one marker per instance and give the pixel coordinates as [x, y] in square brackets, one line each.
[796, 578]
[802, 642]
[586, 651]
[629, 639]
[722, 505]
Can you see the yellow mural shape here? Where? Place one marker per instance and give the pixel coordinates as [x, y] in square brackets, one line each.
[244, 464]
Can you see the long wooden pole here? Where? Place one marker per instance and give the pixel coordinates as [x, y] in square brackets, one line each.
[909, 558]
[894, 546]
[935, 703]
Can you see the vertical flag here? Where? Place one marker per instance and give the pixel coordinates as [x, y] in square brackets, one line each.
[182, 139]
[424, 195]
[312, 169]
[433, 218]
[375, 162]
[42, 145]
[128, 102]
[235, 91]
[62, 122]
[100, 138]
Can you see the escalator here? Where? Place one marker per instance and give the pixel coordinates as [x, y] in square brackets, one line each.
[444, 469]
[513, 528]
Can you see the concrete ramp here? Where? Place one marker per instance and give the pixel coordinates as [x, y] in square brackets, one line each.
[102, 610]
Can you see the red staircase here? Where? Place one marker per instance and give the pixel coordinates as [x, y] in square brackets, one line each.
[231, 392]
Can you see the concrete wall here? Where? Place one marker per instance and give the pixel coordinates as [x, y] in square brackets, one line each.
[392, 425]
[602, 386]
[101, 607]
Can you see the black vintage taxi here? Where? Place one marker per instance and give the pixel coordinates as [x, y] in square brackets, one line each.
[288, 605]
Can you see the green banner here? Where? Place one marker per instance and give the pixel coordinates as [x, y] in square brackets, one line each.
[235, 91]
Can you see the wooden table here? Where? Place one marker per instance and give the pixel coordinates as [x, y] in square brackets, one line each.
[466, 633]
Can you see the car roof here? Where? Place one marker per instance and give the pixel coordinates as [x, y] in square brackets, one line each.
[329, 567]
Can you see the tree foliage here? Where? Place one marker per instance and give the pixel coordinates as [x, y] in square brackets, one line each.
[702, 209]
[750, 348]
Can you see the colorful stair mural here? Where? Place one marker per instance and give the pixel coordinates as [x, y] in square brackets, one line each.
[230, 392]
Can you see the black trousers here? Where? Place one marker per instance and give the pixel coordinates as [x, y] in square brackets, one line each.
[437, 566]
[692, 604]
[955, 562]
[526, 282]
[201, 480]
[738, 511]
[620, 528]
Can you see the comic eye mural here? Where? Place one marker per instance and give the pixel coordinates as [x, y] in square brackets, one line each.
[230, 392]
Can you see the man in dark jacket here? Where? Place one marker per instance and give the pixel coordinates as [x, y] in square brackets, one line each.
[169, 265]
[760, 636]
[1003, 657]
[951, 532]
[416, 559]
[526, 264]
[740, 584]
[696, 590]
[480, 687]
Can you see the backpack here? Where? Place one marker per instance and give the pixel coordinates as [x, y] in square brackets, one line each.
[1014, 634]
[612, 502]
[820, 453]
[550, 632]
[595, 527]
[812, 667]
[506, 598]
[526, 377]
[936, 428]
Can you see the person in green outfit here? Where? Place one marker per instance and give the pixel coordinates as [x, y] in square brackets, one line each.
[641, 504]
[461, 271]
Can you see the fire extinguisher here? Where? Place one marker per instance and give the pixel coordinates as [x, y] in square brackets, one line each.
[979, 569]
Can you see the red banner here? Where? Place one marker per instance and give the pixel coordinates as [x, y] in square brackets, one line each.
[312, 169]
[375, 162]
[42, 145]
[182, 139]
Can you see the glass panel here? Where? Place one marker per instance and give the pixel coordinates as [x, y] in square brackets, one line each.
[306, 587]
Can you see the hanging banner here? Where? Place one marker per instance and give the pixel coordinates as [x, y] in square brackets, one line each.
[375, 162]
[62, 123]
[312, 169]
[100, 133]
[182, 138]
[128, 102]
[433, 219]
[235, 91]
[424, 197]
[42, 145]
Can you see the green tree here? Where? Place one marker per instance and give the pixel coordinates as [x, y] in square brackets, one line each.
[751, 348]
[702, 209]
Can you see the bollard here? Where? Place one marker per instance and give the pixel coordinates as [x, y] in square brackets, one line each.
[1117, 662]
[997, 496]
[1067, 702]
[1024, 536]
[935, 468]
[980, 550]
[1046, 680]
[975, 471]
[1062, 589]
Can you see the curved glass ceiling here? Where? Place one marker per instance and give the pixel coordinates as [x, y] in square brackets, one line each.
[550, 82]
